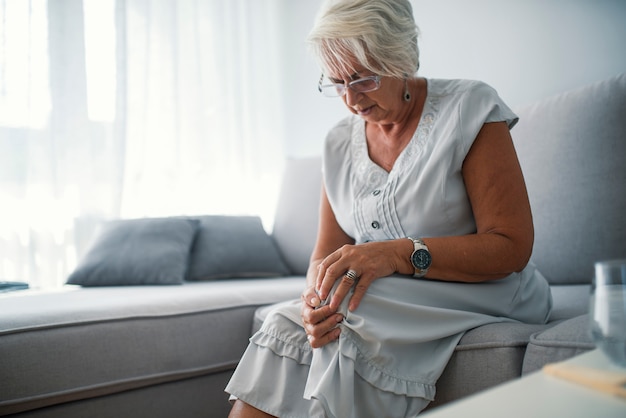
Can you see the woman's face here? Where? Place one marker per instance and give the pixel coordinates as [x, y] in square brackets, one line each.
[383, 105]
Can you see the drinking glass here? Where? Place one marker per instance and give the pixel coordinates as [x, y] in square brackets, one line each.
[607, 309]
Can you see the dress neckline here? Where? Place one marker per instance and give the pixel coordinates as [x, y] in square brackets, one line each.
[373, 174]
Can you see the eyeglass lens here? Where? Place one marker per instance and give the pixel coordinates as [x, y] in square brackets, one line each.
[362, 85]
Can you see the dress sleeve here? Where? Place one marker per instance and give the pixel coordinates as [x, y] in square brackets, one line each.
[481, 104]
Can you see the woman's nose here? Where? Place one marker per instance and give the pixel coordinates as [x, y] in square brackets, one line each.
[351, 97]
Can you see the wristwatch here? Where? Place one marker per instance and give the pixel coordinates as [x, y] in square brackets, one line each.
[421, 258]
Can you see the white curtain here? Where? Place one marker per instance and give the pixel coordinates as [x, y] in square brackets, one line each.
[131, 108]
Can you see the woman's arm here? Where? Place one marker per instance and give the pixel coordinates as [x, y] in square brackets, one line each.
[504, 238]
[320, 323]
[330, 237]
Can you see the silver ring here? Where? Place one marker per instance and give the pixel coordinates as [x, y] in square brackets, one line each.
[351, 275]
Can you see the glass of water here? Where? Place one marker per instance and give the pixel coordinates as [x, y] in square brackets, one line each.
[607, 310]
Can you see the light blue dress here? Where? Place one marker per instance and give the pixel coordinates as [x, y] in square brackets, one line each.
[394, 347]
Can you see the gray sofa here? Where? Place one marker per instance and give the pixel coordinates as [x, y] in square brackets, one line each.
[165, 351]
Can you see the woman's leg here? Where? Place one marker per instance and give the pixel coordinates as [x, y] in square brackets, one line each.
[244, 410]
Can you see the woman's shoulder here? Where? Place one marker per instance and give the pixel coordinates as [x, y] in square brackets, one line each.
[438, 87]
[471, 99]
[339, 135]
[343, 127]
[337, 149]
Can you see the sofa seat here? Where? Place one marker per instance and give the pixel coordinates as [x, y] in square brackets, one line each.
[81, 343]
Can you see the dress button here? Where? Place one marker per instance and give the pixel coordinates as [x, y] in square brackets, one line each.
[376, 192]
[375, 225]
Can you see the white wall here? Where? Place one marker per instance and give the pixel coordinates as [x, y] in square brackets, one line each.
[526, 49]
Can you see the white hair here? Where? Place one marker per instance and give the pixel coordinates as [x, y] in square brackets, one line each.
[380, 35]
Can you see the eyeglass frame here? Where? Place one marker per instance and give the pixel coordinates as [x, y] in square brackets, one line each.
[344, 87]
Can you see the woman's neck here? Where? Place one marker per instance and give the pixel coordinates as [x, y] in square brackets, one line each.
[385, 142]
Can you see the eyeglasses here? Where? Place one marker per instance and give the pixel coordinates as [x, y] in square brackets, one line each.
[362, 85]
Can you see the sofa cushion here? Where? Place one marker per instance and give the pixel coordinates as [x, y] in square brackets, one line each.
[485, 357]
[571, 148]
[233, 247]
[83, 343]
[137, 251]
[295, 225]
[559, 342]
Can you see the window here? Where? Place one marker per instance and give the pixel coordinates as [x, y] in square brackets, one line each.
[99, 16]
[24, 84]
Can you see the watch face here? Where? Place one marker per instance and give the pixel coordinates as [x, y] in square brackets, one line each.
[421, 259]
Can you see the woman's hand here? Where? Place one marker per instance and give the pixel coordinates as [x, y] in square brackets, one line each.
[320, 322]
[370, 261]
[335, 253]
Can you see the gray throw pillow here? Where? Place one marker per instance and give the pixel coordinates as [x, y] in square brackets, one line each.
[233, 247]
[151, 251]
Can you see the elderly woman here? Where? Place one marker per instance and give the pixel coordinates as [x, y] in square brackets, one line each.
[425, 232]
